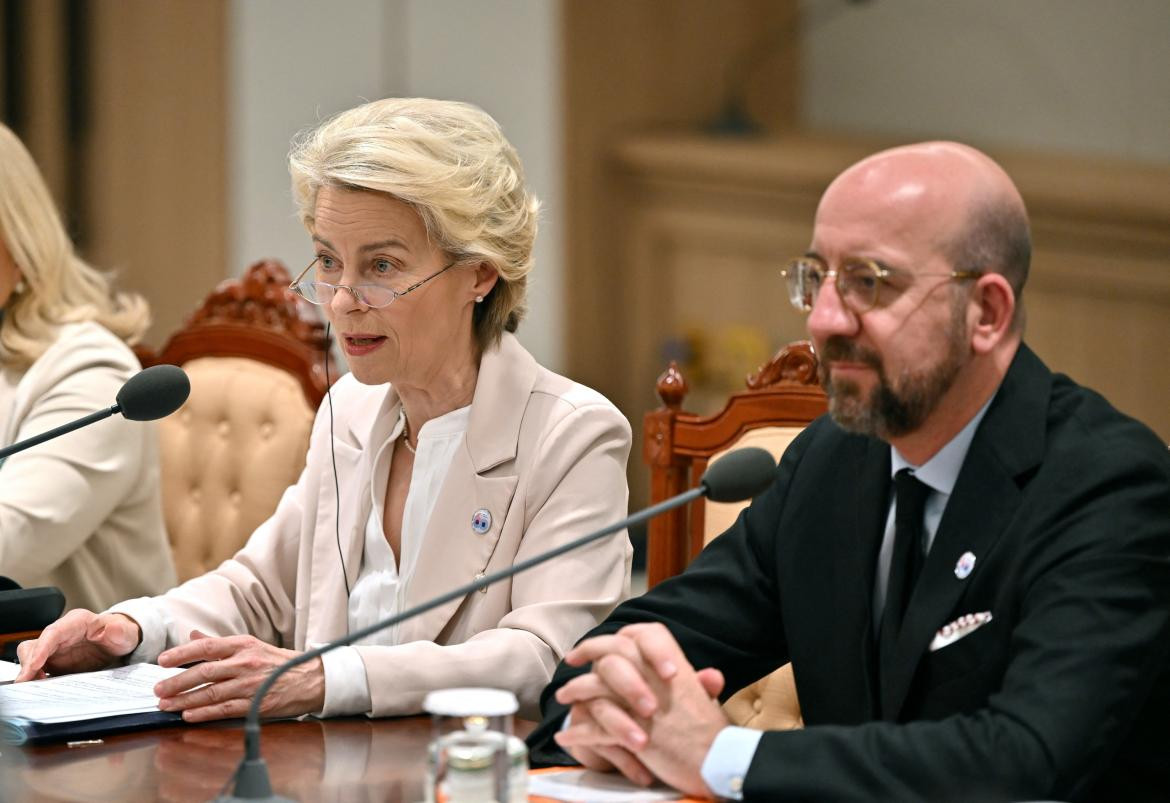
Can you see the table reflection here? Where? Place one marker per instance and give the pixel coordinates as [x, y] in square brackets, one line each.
[352, 759]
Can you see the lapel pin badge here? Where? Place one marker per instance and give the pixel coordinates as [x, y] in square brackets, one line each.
[965, 565]
[481, 521]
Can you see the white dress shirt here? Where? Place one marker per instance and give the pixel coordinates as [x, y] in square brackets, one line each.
[381, 584]
[731, 754]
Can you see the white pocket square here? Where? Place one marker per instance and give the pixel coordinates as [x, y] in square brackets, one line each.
[963, 626]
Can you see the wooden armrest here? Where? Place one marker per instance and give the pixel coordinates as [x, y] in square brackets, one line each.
[20, 635]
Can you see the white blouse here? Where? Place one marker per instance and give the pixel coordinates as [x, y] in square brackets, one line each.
[382, 583]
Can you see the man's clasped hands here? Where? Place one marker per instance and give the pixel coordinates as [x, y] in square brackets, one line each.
[642, 710]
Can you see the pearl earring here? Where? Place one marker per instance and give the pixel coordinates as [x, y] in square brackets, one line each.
[18, 288]
[479, 299]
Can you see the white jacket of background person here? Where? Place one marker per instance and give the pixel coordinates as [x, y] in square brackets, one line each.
[82, 512]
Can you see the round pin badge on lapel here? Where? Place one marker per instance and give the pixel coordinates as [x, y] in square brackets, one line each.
[481, 521]
[965, 565]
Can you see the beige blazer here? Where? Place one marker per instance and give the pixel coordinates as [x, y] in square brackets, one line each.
[81, 512]
[546, 457]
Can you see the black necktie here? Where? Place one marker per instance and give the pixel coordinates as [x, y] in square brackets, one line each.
[909, 555]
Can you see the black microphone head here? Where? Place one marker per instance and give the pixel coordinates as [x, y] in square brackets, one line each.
[738, 475]
[154, 393]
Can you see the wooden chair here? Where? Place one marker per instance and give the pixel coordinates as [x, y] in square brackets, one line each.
[780, 400]
[8, 642]
[255, 355]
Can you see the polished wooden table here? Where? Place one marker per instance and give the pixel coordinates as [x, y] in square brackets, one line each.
[350, 759]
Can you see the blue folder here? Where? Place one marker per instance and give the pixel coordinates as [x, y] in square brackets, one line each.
[18, 731]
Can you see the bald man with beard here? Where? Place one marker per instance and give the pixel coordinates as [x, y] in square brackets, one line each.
[967, 561]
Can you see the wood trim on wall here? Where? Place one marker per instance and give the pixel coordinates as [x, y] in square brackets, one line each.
[44, 67]
[156, 156]
[122, 104]
[646, 65]
[649, 65]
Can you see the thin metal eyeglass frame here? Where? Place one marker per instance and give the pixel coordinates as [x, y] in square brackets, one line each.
[879, 273]
[356, 291]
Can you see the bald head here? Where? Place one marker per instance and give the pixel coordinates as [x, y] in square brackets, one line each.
[943, 193]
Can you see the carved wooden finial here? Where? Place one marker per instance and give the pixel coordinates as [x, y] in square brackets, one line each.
[672, 386]
[261, 297]
[795, 364]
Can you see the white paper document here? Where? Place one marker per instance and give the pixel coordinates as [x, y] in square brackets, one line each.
[587, 786]
[86, 695]
[8, 671]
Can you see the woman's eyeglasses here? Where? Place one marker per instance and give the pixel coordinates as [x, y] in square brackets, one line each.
[374, 296]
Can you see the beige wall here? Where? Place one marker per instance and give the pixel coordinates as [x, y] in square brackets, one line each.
[279, 82]
[1068, 75]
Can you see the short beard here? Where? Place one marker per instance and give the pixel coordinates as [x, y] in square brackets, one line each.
[891, 410]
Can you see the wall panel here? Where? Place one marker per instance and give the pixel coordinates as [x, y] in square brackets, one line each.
[156, 179]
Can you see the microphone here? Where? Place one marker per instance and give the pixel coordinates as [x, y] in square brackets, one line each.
[153, 393]
[739, 475]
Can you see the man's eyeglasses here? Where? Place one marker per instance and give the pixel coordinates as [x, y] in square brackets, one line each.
[859, 281]
[374, 296]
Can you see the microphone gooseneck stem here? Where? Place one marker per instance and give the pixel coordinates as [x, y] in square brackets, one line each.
[252, 724]
[20, 446]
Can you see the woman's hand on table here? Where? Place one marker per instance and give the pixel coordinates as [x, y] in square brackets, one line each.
[80, 641]
[226, 675]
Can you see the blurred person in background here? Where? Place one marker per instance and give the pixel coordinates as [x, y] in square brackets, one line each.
[81, 512]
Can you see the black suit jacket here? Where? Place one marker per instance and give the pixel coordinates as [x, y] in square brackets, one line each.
[1064, 694]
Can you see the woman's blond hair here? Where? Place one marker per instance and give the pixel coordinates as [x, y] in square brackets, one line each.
[59, 287]
[451, 163]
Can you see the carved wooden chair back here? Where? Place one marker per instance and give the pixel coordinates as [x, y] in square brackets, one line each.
[255, 354]
[779, 401]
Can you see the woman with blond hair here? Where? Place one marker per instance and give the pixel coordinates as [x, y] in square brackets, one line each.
[446, 453]
[81, 512]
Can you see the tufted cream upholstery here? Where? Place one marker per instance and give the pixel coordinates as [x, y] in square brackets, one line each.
[770, 703]
[718, 516]
[228, 455]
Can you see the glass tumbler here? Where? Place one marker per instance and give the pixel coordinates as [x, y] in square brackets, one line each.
[473, 756]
